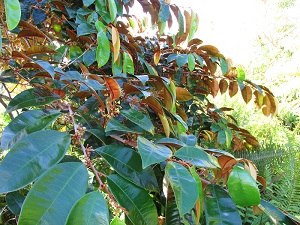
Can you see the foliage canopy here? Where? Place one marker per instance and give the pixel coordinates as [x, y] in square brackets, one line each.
[112, 123]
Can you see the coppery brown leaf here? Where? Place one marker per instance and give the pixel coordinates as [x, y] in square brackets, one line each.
[157, 56]
[223, 85]
[154, 104]
[266, 108]
[259, 99]
[113, 87]
[209, 49]
[247, 94]
[252, 141]
[183, 94]
[214, 87]
[115, 42]
[233, 88]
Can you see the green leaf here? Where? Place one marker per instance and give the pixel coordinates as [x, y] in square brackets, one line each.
[189, 139]
[243, 188]
[31, 97]
[197, 157]
[184, 186]
[115, 125]
[152, 153]
[139, 119]
[181, 23]
[14, 201]
[191, 62]
[85, 29]
[219, 207]
[91, 209]
[138, 203]
[103, 48]
[13, 13]
[171, 142]
[172, 57]
[276, 215]
[181, 60]
[89, 58]
[128, 66]
[241, 75]
[200, 194]
[128, 164]
[221, 137]
[26, 123]
[87, 3]
[31, 157]
[117, 66]
[224, 66]
[51, 198]
[112, 9]
[194, 25]
[46, 66]
[164, 12]
[117, 221]
[100, 134]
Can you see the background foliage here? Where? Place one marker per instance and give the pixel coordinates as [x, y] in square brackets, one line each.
[108, 121]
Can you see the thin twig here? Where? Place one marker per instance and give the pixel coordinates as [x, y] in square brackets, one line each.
[71, 113]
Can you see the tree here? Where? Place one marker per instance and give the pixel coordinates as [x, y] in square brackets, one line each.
[106, 123]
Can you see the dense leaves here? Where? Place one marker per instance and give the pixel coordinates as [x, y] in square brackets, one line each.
[108, 121]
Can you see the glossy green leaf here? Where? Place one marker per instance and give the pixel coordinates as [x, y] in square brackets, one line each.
[152, 153]
[139, 119]
[219, 207]
[172, 57]
[31, 157]
[188, 139]
[242, 187]
[241, 75]
[13, 13]
[115, 125]
[128, 66]
[117, 66]
[184, 186]
[181, 23]
[164, 12]
[51, 198]
[197, 157]
[38, 15]
[138, 203]
[171, 211]
[100, 134]
[26, 123]
[85, 29]
[103, 48]
[181, 60]
[276, 216]
[171, 142]
[87, 3]
[128, 164]
[194, 25]
[191, 62]
[112, 9]
[14, 201]
[89, 58]
[91, 209]
[101, 8]
[200, 192]
[224, 66]
[117, 221]
[221, 137]
[31, 97]
[46, 66]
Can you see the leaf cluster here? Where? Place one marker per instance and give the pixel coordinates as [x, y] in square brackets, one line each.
[111, 122]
